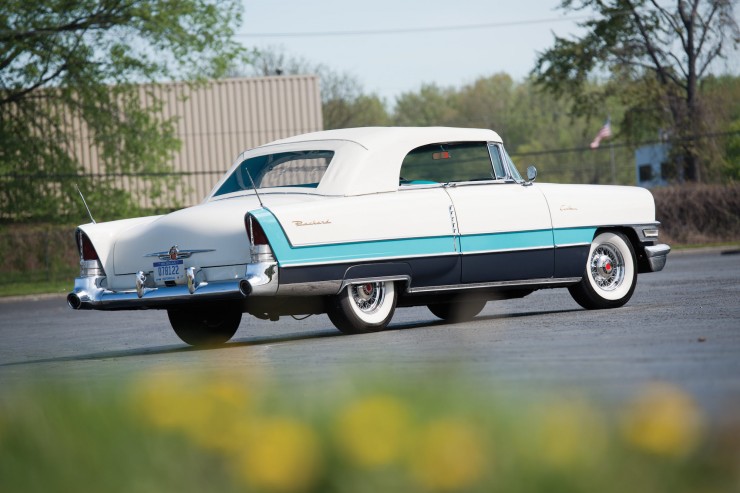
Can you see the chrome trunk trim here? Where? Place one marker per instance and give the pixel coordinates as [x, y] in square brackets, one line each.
[179, 254]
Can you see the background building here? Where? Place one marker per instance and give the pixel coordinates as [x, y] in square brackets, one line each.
[215, 123]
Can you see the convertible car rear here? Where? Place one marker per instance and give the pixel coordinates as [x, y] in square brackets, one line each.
[356, 222]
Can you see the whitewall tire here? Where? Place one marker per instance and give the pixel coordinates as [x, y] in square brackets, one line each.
[610, 276]
[360, 308]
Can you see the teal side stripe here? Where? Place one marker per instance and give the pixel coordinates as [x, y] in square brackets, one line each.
[288, 255]
[516, 240]
[569, 236]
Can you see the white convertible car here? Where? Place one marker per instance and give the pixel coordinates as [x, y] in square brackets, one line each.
[356, 222]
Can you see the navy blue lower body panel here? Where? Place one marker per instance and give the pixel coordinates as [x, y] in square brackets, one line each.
[451, 270]
[571, 261]
[507, 266]
[424, 271]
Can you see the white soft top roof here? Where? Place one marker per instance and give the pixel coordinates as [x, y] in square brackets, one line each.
[367, 160]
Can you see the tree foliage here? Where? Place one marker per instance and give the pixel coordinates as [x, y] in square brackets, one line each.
[343, 99]
[73, 69]
[656, 56]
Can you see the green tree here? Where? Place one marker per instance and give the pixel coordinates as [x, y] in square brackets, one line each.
[656, 55]
[71, 72]
[344, 103]
[431, 106]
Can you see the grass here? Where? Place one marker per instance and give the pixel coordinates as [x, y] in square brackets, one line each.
[38, 287]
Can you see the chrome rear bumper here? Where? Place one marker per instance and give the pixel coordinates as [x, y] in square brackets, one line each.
[657, 255]
[261, 279]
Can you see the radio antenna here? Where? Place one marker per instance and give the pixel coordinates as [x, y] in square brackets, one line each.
[85, 202]
[246, 168]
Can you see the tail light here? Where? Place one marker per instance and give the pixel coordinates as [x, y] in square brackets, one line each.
[90, 265]
[255, 233]
[85, 246]
[260, 250]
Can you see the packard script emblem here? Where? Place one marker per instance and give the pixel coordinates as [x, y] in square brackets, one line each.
[312, 223]
[173, 252]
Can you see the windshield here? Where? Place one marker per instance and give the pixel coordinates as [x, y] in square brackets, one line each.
[283, 169]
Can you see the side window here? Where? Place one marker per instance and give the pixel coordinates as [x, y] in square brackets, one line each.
[443, 163]
[498, 162]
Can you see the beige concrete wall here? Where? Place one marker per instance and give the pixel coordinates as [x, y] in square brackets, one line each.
[219, 121]
[215, 123]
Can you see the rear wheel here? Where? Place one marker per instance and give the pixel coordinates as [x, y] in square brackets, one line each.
[210, 326]
[457, 311]
[610, 276]
[360, 308]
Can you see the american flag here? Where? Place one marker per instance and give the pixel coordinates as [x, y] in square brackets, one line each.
[604, 133]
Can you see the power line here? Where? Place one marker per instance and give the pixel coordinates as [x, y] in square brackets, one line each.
[411, 30]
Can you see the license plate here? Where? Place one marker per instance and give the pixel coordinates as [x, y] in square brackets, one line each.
[169, 270]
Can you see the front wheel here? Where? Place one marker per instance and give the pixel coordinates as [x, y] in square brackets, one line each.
[361, 308]
[210, 326]
[610, 276]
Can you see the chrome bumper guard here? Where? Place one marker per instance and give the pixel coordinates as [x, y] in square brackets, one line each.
[657, 255]
[261, 279]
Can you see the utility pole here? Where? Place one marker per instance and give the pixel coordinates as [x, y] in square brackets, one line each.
[614, 168]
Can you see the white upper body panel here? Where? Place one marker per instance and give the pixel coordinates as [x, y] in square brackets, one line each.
[597, 205]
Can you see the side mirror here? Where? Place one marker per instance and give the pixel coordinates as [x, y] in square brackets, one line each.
[531, 173]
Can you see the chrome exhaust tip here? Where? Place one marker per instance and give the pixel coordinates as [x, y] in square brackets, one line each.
[245, 287]
[74, 301]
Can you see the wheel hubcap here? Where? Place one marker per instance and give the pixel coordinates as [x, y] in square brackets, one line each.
[369, 296]
[607, 267]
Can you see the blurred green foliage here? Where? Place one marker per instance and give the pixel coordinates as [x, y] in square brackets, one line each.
[166, 431]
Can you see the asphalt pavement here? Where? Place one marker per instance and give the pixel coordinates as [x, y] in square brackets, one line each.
[682, 326]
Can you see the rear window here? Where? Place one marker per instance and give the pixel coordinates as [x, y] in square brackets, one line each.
[283, 169]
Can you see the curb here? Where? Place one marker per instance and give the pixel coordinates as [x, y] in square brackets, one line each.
[720, 250]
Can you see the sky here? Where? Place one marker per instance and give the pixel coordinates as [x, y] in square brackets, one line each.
[391, 63]
[395, 62]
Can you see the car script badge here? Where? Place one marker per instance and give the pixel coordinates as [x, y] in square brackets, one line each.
[173, 252]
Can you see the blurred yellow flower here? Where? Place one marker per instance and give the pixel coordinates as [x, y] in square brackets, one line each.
[283, 455]
[374, 431]
[572, 432]
[208, 408]
[663, 420]
[448, 455]
[168, 400]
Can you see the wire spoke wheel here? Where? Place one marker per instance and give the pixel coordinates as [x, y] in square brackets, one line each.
[607, 267]
[369, 296]
[610, 276]
[364, 307]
